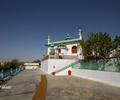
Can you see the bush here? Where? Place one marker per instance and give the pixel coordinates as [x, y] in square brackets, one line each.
[10, 64]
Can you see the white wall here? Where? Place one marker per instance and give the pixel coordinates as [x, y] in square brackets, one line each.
[64, 72]
[64, 51]
[44, 66]
[52, 65]
[69, 51]
[112, 78]
[31, 64]
[31, 67]
[58, 63]
[69, 46]
[79, 50]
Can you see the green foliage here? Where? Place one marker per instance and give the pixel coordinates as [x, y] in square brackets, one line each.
[0, 66]
[116, 47]
[10, 64]
[83, 43]
[118, 64]
[99, 43]
[6, 65]
[37, 61]
[116, 42]
[117, 54]
[14, 63]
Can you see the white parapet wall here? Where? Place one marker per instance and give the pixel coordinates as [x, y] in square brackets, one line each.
[111, 78]
[53, 65]
[44, 66]
[31, 67]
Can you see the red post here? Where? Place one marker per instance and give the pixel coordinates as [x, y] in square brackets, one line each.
[69, 72]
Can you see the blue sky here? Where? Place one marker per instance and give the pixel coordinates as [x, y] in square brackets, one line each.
[25, 24]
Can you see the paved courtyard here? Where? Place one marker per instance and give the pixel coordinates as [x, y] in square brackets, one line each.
[75, 88]
[25, 84]
[22, 85]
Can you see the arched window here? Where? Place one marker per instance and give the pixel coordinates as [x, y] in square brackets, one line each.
[74, 49]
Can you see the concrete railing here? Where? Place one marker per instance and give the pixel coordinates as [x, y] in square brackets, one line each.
[58, 57]
[111, 78]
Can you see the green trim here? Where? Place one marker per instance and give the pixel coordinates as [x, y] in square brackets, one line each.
[62, 45]
[52, 45]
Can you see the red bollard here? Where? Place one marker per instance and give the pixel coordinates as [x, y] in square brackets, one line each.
[69, 72]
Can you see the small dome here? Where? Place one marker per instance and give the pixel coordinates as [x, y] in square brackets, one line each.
[67, 37]
[62, 45]
[52, 45]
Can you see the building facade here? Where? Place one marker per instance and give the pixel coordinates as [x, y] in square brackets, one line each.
[31, 65]
[61, 54]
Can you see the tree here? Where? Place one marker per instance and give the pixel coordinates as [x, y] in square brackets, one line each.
[85, 48]
[100, 44]
[14, 63]
[118, 60]
[0, 66]
[116, 42]
[116, 47]
[10, 64]
[37, 61]
[6, 65]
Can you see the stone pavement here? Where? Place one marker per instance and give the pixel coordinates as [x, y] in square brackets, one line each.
[75, 88]
[25, 84]
[22, 85]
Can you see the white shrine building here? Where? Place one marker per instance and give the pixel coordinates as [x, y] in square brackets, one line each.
[61, 54]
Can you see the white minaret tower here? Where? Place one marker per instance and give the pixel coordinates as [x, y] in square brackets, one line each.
[80, 34]
[48, 51]
[48, 39]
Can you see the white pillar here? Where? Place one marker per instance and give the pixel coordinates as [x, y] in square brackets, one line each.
[48, 51]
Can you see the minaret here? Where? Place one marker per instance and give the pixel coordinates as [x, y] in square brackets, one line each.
[48, 51]
[48, 39]
[80, 34]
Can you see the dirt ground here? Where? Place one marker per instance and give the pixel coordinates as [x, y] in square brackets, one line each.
[75, 88]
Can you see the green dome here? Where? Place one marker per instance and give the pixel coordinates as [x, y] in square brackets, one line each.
[52, 45]
[62, 45]
[67, 37]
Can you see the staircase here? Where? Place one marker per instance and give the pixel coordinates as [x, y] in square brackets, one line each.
[71, 65]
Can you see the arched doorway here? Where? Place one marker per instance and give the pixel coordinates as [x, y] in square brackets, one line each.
[59, 50]
[74, 49]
